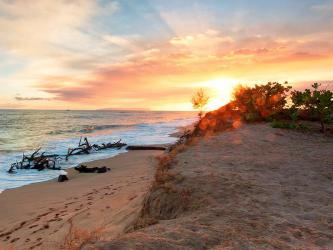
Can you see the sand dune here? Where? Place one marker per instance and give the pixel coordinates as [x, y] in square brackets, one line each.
[251, 188]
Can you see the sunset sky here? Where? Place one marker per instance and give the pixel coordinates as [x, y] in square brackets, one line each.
[154, 54]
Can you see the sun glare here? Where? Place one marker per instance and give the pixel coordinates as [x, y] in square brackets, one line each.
[219, 91]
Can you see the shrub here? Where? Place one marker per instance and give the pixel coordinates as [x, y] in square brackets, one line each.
[283, 124]
[261, 101]
[288, 125]
[317, 103]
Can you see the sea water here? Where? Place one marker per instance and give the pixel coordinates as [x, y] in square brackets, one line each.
[23, 131]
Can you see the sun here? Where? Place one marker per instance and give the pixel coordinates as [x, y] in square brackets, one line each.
[219, 90]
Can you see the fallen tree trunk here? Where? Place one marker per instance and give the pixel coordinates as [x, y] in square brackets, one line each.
[117, 145]
[145, 148]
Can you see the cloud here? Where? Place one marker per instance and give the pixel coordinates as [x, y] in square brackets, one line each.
[323, 8]
[19, 98]
[77, 57]
[166, 68]
[54, 36]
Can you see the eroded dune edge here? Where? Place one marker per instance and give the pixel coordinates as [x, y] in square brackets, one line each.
[254, 187]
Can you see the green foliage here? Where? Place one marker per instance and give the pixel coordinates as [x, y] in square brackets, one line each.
[318, 103]
[288, 125]
[261, 101]
[283, 124]
[199, 101]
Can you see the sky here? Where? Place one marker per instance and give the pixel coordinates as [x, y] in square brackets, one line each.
[154, 54]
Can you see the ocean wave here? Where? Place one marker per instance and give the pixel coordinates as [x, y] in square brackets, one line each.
[92, 128]
[6, 151]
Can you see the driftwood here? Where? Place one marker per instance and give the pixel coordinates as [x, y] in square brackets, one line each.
[83, 148]
[35, 161]
[117, 145]
[145, 148]
[42, 161]
[85, 169]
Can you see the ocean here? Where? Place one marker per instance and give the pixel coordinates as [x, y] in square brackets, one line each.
[23, 131]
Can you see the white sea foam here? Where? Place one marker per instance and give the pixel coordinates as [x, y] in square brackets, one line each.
[63, 172]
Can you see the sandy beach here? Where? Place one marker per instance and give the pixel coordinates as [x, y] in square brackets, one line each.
[254, 187]
[47, 214]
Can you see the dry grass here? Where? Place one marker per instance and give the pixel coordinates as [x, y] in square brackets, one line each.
[77, 238]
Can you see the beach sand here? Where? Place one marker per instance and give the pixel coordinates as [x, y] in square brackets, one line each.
[41, 215]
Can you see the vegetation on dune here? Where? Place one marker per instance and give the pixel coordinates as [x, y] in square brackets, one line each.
[261, 101]
[273, 102]
[199, 101]
[317, 104]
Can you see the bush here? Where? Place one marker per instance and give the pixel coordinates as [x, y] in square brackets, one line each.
[283, 124]
[288, 125]
[318, 104]
[261, 101]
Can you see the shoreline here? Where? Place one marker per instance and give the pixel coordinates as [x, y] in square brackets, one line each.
[41, 214]
[173, 135]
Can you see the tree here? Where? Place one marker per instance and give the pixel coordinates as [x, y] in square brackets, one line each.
[261, 101]
[318, 103]
[199, 101]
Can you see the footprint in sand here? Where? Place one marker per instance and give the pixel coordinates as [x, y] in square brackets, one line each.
[37, 245]
[13, 240]
[33, 226]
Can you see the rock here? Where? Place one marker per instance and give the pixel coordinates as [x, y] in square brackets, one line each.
[62, 178]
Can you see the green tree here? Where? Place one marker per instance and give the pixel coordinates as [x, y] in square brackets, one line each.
[317, 102]
[199, 101]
